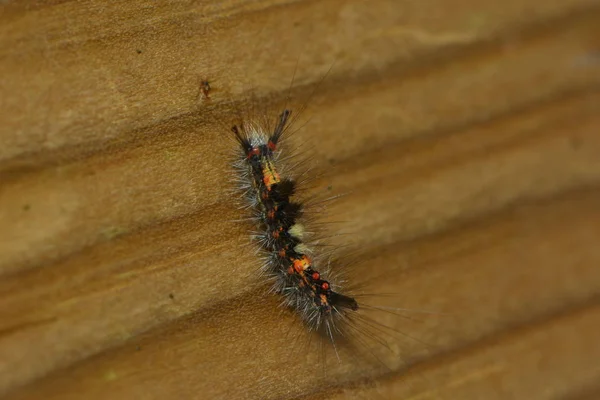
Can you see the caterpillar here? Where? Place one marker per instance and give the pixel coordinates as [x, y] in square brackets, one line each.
[289, 263]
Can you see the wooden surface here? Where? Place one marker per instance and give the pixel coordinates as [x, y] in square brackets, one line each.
[467, 132]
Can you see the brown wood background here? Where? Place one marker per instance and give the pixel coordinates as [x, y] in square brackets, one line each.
[468, 133]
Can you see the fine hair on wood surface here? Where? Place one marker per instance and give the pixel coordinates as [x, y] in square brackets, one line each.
[464, 135]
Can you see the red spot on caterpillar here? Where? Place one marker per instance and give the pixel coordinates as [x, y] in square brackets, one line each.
[316, 276]
[254, 152]
[290, 270]
[325, 286]
[272, 146]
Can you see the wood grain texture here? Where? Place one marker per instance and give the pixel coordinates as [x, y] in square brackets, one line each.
[467, 133]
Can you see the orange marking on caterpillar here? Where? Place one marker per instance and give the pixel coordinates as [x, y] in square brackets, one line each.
[324, 299]
[270, 175]
[270, 179]
[300, 265]
[275, 234]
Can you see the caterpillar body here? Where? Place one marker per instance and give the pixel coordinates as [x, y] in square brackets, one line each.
[288, 260]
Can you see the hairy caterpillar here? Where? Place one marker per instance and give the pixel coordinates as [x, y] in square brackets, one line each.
[305, 286]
